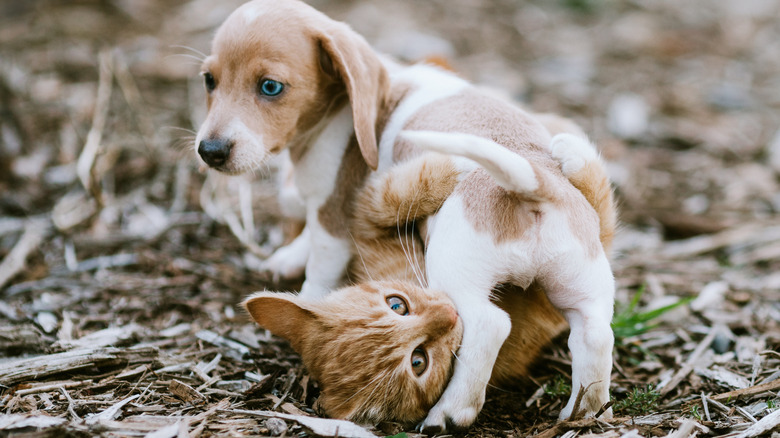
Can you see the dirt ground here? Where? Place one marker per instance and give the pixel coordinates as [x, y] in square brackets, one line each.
[123, 263]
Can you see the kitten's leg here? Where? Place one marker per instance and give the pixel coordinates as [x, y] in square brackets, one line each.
[584, 289]
[461, 263]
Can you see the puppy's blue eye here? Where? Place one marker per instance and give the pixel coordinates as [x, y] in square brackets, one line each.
[269, 87]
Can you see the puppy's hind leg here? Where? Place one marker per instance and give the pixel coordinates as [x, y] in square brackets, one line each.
[584, 169]
[584, 292]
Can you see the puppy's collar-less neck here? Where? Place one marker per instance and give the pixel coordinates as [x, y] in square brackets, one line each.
[300, 145]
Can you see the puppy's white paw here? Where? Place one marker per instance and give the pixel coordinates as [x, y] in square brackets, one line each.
[590, 404]
[312, 292]
[572, 153]
[287, 262]
[451, 414]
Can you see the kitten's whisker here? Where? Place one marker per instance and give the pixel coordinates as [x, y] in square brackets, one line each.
[401, 239]
[422, 276]
[360, 256]
[412, 256]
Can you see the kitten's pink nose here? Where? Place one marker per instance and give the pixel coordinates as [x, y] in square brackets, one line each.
[452, 316]
[443, 319]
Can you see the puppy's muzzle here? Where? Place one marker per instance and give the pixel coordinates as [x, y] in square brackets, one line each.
[215, 152]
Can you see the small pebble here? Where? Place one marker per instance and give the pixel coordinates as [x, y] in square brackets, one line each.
[276, 426]
[628, 116]
[721, 343]
[47, 321]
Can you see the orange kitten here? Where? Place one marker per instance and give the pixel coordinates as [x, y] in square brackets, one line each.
[401, 337]
[380, 350]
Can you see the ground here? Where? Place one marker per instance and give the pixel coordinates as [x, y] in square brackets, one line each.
[123, 263]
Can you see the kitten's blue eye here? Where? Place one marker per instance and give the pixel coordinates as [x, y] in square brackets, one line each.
[271, 88]
[419, 361]
[398, 305]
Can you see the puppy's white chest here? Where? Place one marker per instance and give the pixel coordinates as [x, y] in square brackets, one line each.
[316, 171]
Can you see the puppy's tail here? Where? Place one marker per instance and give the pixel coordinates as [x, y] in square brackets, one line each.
[511, 171]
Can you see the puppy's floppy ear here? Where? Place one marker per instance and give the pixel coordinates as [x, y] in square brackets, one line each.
[346, 55]
[282, 314]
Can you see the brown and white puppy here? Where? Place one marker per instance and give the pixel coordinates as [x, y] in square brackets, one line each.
[284, 76]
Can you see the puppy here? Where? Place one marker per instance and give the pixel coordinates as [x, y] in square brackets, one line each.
[283, 76]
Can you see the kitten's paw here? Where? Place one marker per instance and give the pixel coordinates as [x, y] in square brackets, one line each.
[572, 152]
[287, 262]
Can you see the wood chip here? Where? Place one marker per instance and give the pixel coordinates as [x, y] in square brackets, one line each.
[86, 161]
[753, 390]
[186, 392]
[105, 337]
[168, 431]
[19, 421]
[766, 424]
[40, 367]
[724, 377]
[324, 427]
[215, 339]
[110, 413]
[687, 367]
[34, 233]
[53, 387]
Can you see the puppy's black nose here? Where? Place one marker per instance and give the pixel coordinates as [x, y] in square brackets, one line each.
[215, 151]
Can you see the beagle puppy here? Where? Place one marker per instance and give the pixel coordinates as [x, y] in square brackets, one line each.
[283, 77]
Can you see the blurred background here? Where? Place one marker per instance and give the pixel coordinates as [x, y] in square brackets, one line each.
[106, 218]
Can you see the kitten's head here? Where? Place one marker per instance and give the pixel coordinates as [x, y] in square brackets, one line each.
[380, 350]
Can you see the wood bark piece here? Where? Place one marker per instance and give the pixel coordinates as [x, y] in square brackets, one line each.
[20, 421]
[753, 390]
[34, 233]
[687, 367]
[40, 367]
[86, 161]
[325, 427]
[215, 339]
[111, 413]
[186, 392]
[103, 338]
[53, 387]
[766, 424]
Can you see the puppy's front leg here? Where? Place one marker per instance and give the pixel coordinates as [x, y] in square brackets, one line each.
[328, 260]
[485, 328]
[460, 262]
[290, 260]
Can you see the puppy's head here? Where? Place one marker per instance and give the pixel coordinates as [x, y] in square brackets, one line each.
[278, 70]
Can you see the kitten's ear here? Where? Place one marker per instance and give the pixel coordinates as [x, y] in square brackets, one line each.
[282, 315]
